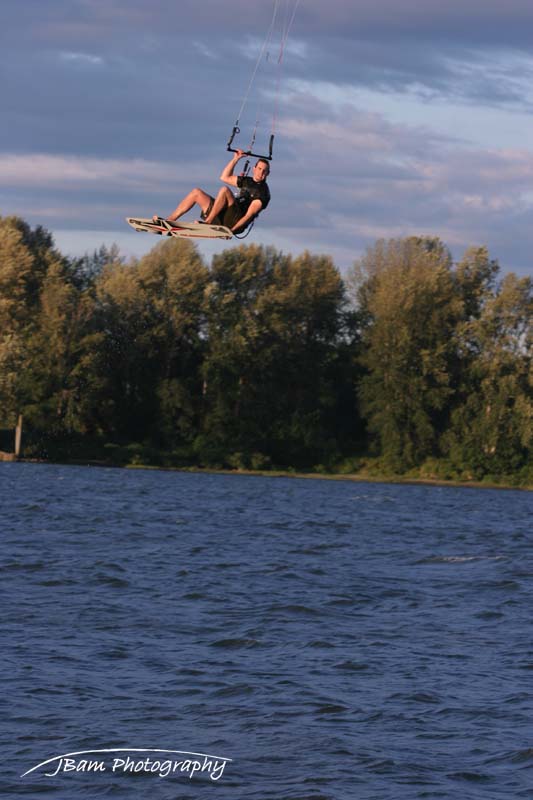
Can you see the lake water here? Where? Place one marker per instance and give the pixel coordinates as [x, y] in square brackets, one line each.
[308, 639]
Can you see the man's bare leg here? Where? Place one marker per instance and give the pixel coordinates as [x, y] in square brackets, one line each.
[223, 200]
[196, 196]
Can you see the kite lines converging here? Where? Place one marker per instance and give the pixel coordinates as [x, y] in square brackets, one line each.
[280, 26]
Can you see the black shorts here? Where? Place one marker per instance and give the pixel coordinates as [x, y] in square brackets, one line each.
[229, 216]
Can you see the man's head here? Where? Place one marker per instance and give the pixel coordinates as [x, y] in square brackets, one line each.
[261, 170]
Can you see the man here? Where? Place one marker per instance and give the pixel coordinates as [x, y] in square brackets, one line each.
[236, 213]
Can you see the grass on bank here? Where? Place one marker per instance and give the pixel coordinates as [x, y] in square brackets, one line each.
[363, 468]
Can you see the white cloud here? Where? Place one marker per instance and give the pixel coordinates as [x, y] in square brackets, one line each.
[205, 50]
[55, 171]
[84, 59]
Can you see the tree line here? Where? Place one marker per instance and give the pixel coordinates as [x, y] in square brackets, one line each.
[264, 360]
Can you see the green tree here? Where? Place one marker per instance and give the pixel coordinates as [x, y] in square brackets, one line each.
[409, 309]
[151, 313]
[63, 343]
[274, 325]
[26, 257]
[491, 428]
[173, 279]
[88, 268]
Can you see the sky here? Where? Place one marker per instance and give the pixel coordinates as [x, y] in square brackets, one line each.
[391, 118]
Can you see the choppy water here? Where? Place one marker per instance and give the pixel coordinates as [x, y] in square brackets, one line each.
[336, 640]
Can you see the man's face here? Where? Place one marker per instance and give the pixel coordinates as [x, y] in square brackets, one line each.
[260, 171]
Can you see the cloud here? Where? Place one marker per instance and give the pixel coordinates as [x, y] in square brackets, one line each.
[82, 58]
[361, 177]
[61, 171]
[117, 107]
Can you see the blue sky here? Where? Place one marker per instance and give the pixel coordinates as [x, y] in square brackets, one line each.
[393, 118]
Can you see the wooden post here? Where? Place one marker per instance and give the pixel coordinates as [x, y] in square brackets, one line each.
[18, 436]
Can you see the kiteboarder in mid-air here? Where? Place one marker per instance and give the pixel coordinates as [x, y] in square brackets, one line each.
[228, 214]
[234, 212]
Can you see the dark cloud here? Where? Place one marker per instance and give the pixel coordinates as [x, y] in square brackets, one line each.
[470, 22]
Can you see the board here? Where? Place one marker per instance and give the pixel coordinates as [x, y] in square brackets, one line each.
[183, 230]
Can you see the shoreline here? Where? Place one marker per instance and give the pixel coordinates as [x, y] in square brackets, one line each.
[354, 477]
[351, 477]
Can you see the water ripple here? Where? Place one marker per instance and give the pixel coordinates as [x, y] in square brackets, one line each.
[336, 640]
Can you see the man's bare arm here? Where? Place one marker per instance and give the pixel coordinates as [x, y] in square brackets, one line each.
[227, 175]
[253, 209]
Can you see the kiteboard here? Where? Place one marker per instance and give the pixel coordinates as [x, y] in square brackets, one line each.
[183, 230]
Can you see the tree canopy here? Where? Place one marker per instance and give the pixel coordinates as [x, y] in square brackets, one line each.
[264, 359]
